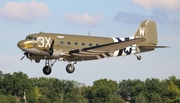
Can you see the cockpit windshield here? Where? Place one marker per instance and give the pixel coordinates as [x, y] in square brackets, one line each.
[31, 38]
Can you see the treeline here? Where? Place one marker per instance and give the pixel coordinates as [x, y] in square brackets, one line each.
[19, 88]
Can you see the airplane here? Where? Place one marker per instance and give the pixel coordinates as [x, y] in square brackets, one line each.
[75, 48]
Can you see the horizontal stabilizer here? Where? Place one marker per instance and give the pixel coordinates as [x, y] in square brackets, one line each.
[153, 47]
[149, 48]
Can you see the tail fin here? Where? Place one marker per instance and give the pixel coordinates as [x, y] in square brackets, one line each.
[147, 29]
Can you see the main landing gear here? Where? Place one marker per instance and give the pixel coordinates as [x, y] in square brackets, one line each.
[70, 68]
[138, 57]
[48, 65]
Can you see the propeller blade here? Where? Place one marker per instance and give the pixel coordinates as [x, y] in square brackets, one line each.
[51, 48]
[52, 44]
[50, 51]
[22, 57]
[25, 54]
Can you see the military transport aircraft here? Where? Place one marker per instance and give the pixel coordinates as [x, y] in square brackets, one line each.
[74, 48]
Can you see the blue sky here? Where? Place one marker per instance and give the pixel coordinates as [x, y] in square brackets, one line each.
[117, 18]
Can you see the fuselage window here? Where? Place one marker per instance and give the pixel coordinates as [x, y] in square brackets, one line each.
[69, 43]
[90, 44]
[83, 44]
[75, 43]
[97, 44]
[61, 42]
[35, 39]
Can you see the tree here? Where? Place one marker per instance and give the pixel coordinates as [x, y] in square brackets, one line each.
[155, 98]
[140, 98]
[117, 99]
[174, 92]
[103, 91]
[3, 99]
[102, 95]
[37, 93]
[153, 86]
[130, 89]
[109, 83]
[43, 99]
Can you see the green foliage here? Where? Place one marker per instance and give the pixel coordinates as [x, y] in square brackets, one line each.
[104, 91]
[140, 98]
[130, 89]
[13, 88]
[102, 95]
[156, 98]
[153, 90]
[109, 83]
[3, 98]
[37, 94]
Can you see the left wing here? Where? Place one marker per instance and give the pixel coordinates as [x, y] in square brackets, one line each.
[105, 48]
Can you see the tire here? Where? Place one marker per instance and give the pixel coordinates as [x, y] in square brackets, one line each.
[139, 57]
[47, 70]
[70, 68]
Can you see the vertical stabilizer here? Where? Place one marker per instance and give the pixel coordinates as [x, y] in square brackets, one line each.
[147, 29]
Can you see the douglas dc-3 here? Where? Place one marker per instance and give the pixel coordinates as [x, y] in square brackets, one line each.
[74, 48]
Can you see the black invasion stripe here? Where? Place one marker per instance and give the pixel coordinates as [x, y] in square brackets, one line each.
[119, 40]
[101, 56]
[120, 52]
[107, 54]
[127, 38]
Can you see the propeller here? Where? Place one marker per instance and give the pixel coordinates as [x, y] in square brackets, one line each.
[50, 51]
[25, 54]
[51, 48]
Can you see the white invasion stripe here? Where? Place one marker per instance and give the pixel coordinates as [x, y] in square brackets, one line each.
[134, 47]
[98, 57]
[132, 37]
[114, 39]
[104, 55]
[116, 53]
[123, 39]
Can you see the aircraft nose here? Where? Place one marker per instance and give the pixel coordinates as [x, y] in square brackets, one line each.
[20, 44]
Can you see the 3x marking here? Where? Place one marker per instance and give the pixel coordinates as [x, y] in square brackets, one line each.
[44, 41]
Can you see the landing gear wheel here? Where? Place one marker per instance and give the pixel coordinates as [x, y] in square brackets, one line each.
[47, 70]
[70, 68]
[139, 57]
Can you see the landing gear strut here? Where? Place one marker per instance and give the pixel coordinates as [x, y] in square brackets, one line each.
[138, 57]
[70, 68]
[48, 65]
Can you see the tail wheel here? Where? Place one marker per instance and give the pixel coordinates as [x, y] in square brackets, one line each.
[139, 57]
[47, 70]
[70, 68]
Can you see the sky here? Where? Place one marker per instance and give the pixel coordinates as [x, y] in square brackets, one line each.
[116, 18]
